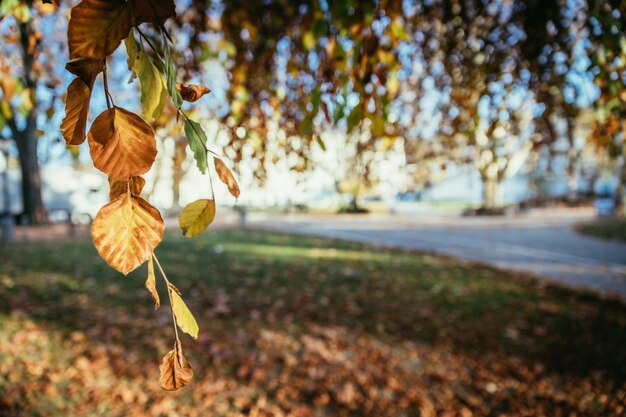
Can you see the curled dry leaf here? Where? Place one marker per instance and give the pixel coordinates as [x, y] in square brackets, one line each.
[134, 185]
[76, 112]
[226, 176]
[126, 231]
[196, 217]
[151, 283]
[175, 371]
[184, 318]
[192, 92]
[122, 145]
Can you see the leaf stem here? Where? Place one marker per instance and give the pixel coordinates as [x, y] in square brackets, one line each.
[107, 95]
[169, 293]
[156, 51]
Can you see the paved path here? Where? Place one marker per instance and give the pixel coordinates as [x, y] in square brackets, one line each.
[541, 243]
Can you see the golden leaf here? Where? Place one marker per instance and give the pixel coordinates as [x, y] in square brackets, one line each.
[184, 318]
[153, 89]
[226, 177]
[118, 187]
[192, 92]
[8, 86]
[175, 371]
[122, 145]
[87, 69]
[196, 217]
[96, 27]
[126, 231]
[151, 284]
[76, 112]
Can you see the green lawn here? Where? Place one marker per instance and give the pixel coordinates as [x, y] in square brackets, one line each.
[295, 326]
[612, 229]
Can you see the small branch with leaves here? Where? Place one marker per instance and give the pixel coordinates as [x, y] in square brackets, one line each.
[127, 230]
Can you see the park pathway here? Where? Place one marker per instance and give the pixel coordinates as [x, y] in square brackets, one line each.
[543, 243]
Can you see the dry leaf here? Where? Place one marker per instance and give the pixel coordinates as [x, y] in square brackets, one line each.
[151, 284]
[226, 177]
[87, 69]
[126, 231]
[122, 145]
[184, 319]
[153, 11]
[175, 371]
[76, 112]
[192, 92]
[196, 217]
[134, 185]
[96, 27]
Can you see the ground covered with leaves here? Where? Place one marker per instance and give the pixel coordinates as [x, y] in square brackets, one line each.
[307, 327]
[612, 229]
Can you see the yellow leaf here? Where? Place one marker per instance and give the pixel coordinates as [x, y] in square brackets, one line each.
[76, 112]
[126, 231]
[118, 187]
[151, 284]
[196, 217]
[175, 371]
[226, 177]
[184, 318]
[8, 86]
[122, 145]
[153, 89]
[308, 40]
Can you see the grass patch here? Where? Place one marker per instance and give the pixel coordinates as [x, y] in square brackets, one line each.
[611, 229]
[302, 326]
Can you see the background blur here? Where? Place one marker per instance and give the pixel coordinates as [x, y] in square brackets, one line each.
[431, 219]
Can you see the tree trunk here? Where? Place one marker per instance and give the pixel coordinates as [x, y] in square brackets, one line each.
[490, 192]
[33, 209]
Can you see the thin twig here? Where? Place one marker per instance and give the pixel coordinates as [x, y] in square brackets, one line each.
[107, 95]
[169, 293]
[156, 51]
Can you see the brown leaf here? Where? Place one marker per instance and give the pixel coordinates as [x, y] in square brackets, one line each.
[96, 27]
[87, 69]
[226, 176]
[122, 145]
[134, 185]
[175, 371]
[126, 231]
[151, 284]
[192, 92]
[153, 11]
[76, 112]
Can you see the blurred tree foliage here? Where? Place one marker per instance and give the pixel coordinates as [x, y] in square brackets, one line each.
[309, 65]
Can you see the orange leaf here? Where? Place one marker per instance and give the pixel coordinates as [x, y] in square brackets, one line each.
[122, 145]
[126, 231]
[119, 187]
[175, 371]
[226, 177]
[76, 112]
[192, 92]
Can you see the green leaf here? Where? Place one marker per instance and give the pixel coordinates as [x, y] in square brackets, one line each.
[184, 319]
[354, 118]
[321, 143]
[197, 142]
[316, 99]
[170, 75]
[153, 89]
[306, 126]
